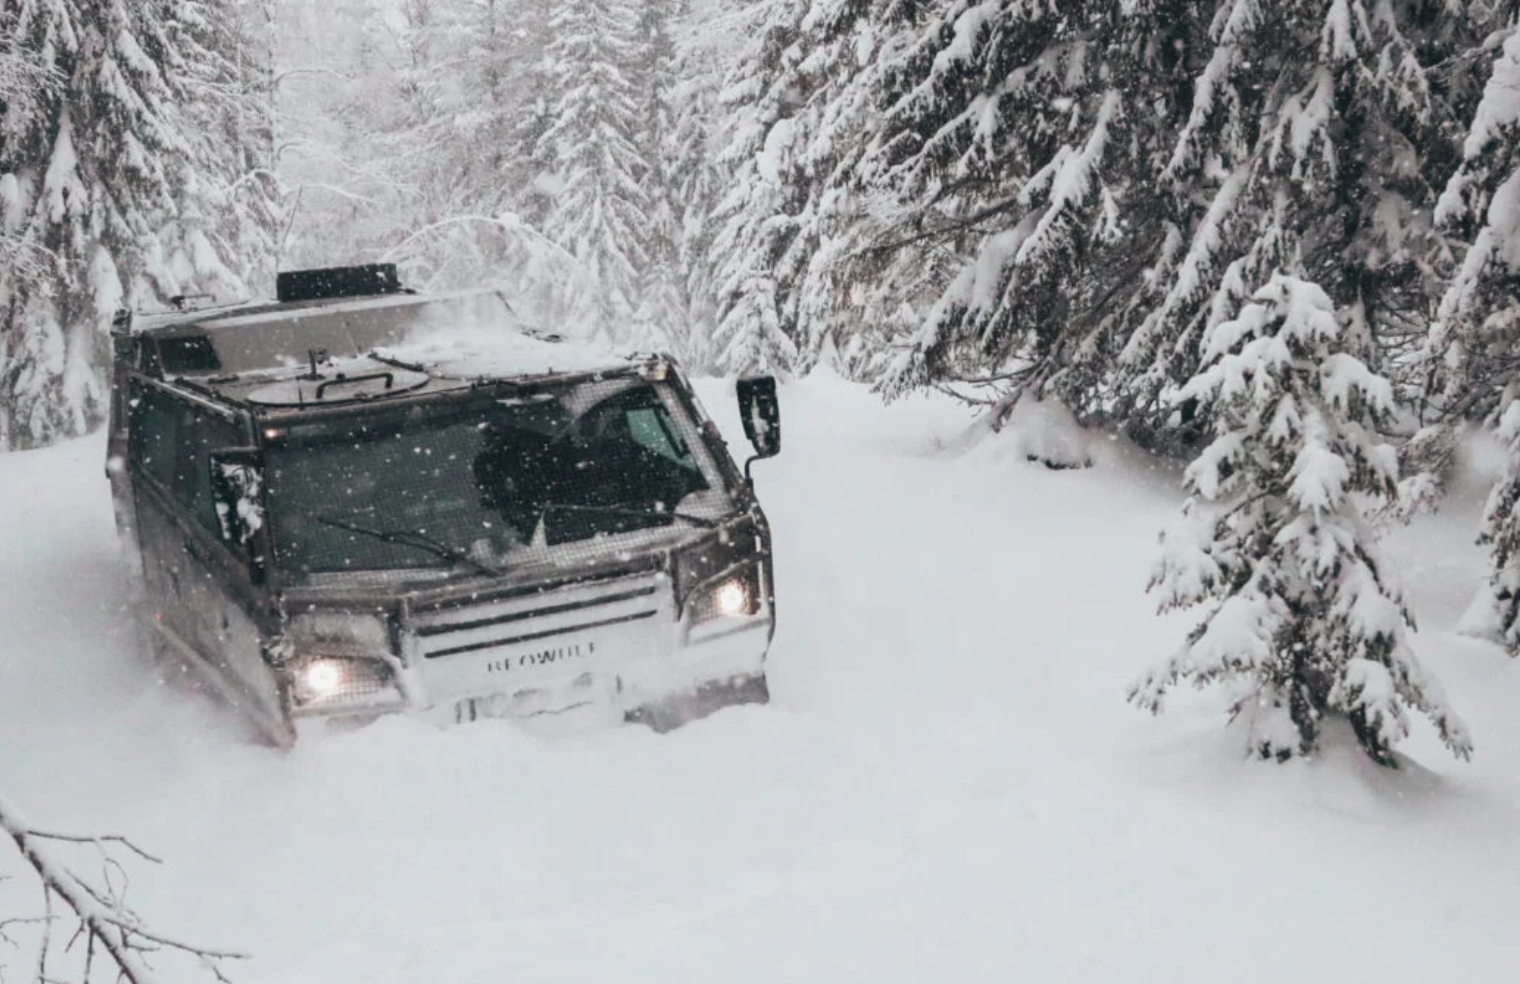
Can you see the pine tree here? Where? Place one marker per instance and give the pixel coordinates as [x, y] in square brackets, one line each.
[1472, 344]
[694, 179]
[1316, 140]
[659, 322]
[1017, 152]
[337, 94]
[795, 119]
[1501, 532]
[1303, 615]
[600, 212]
[127, 181]
[223, 237]
[1472, 370]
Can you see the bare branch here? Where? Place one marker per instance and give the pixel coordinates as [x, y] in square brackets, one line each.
[104, 921]
[291, 73]
[98, 841]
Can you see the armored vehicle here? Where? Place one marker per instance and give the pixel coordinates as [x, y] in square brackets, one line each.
[358, 500]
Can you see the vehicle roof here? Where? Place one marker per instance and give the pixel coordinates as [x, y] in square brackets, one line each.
[308, 355]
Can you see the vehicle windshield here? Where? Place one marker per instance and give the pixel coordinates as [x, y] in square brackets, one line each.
[450, 485]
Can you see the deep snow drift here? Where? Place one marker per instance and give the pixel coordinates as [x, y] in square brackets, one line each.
[949, 785]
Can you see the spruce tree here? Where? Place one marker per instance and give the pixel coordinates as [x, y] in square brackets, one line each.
[694, 176]
[1303, 618]
[1019, 226]
[1315, 140]
[795, 118]
[1471, 349]
[1472, 369]
[140, 173]
[600, 211]
[659, 321]
[338, 96]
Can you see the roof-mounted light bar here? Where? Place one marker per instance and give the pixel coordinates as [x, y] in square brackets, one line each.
[355, 281]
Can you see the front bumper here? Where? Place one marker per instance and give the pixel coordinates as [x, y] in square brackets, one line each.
[577, 656]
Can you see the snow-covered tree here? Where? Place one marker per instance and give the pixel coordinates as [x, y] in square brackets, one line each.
[1472, 345]
[795, 121]
[1002, 121]
[659, 322]
[1501, 532]
[694, 193]
[1303, 618]
[1318, 136]
[600, 210]
[1017, 224]
[140, 173]
[1472, 369]
[409, 132]
[223, 237]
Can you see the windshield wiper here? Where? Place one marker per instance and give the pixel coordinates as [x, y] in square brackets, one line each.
[702, 521]
[408, 538]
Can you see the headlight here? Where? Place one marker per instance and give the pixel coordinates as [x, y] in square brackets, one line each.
[331, 681]
[733, 597]
[336, 661]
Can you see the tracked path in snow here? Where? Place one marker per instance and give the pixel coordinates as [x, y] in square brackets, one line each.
[948, 785]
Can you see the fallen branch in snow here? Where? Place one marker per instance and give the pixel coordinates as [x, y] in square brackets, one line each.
[101, 916]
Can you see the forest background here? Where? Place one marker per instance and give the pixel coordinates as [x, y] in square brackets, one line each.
[1278, 236]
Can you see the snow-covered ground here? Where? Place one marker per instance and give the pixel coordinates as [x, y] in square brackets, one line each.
[948, 786]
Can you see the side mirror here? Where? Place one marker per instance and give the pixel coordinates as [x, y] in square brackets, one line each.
[761, 413]
[237, 491]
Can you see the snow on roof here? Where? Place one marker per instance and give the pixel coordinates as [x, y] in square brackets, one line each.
[478, 351]
[468, 334]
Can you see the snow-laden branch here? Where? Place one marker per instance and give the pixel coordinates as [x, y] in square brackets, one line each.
[508, 224]
[109, 928]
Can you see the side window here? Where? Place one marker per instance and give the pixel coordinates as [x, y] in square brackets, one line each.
[200, 434]
[155, 427]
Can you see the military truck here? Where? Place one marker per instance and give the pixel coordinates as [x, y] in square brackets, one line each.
[358, 500]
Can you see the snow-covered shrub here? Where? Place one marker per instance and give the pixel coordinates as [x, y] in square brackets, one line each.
[1302, 613]
[1048, 432]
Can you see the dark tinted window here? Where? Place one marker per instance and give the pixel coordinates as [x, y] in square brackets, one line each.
[190, 353]
[155, 425]
[201, 434]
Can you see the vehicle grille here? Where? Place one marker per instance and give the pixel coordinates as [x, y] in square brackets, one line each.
[510, 624]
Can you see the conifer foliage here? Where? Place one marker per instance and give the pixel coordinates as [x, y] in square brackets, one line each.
[1303, 617]
[1472, 344]
[593, 152]
[1501, 532]
[133, 168]
[1471, 351]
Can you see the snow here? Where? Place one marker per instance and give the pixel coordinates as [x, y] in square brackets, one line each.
[948, 786]
[501, 352]
[778, 143]
[1500, 107]
[1319, 473]
[61, 189]
[1047, 431]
